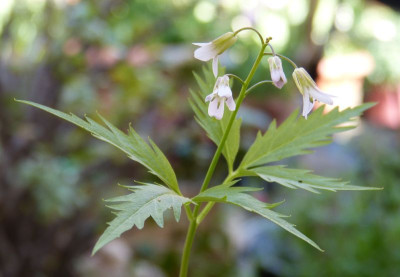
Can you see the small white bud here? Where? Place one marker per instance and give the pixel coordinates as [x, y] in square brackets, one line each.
[277, 75]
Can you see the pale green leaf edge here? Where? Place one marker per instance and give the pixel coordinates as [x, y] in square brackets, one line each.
[301, 178]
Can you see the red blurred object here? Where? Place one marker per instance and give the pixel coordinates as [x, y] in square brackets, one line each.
[72, 46]
[387, 112]
[139, 56]
[102, 57]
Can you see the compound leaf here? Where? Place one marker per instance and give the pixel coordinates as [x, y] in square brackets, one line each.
[300, 178]
[133, 210]
[225, 193]
[297, 136]
[137, 149]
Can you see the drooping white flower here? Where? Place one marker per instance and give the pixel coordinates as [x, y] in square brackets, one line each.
[221, 94]
[277, 75]
[310, 91]
[212, 50]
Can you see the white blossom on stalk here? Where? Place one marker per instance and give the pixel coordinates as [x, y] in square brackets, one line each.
[277, 75]
[212, 50]
[221, 94]
[310, 91]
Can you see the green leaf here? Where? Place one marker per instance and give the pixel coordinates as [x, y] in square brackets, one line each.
[132, 144]
[215, 128]
[300, 178]
[225, 193]
[296, 136]
[133, 209]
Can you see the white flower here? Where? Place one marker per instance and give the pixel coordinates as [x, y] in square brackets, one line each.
[277, 74]
[310, 91]
[212, 50]
[221, 94]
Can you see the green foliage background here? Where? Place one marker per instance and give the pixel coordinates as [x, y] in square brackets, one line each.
[131, 61]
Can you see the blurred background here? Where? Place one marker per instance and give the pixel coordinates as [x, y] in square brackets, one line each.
[132, 61]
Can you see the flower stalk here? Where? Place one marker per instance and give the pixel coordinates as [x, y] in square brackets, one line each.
[222, 95]
[194, 223]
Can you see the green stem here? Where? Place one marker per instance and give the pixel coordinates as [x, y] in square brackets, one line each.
[189, 213]
[210, 205]
[282, 57]
[193, 224]
[240, 99]
[250, 29]
[272, 49]
[236, 77]
[258, 84]
[186, 250]
[204, 212]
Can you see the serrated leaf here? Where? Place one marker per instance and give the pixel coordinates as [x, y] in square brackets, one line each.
[300, 178]
[133, 210]
[215, 128]
[132, 144]
[297, 136]
[236, 196]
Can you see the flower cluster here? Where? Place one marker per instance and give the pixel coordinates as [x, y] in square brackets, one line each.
[222, 92]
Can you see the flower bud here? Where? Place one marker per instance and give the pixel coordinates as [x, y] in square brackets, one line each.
[310, 91]
[277, 75]
[211, 50]
[303, 79]
[224, 42]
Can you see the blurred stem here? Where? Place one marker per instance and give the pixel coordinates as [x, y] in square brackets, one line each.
[258, 84]
[193, 223]
[236, 77]
[251, 29]
[272, 49]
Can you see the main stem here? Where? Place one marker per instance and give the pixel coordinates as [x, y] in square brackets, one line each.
[193, 223]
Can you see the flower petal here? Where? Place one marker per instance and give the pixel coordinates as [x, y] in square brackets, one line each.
[213, 107]
[281, 82]
[215, 66]
[220, 110]
[210, 97]
[201, 43]
[321, 96]
[283, 76]
[205, 52]
[275, 76]
[224, 91]
[307, 104]
[231, 103]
